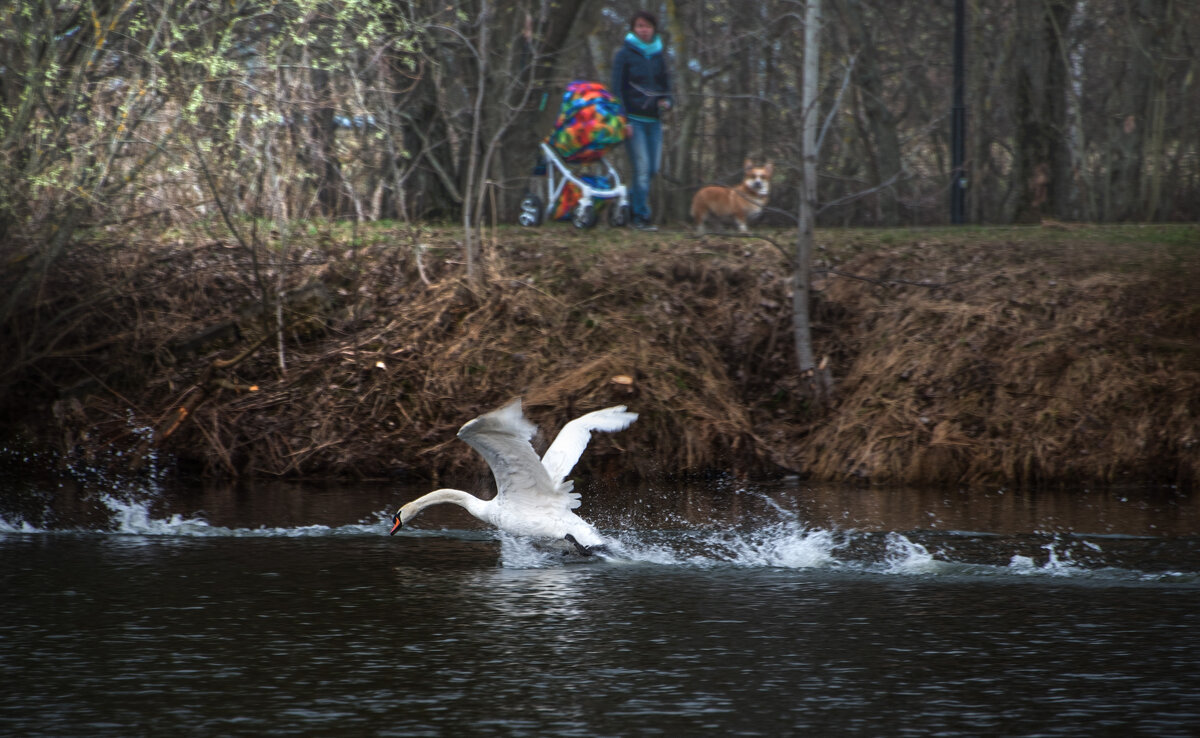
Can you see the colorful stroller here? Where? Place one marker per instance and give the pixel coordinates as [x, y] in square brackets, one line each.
[590, 122]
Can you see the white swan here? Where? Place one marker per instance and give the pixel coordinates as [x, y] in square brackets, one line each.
[533, 497]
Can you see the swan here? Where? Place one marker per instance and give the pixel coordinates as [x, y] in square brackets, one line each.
[533, 497]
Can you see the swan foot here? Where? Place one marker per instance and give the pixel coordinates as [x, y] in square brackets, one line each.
[586, 550]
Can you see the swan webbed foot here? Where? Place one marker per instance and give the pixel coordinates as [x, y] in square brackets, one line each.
[582, 549]
[586, 550]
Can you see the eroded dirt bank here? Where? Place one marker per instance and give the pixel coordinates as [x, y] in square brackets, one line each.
[1000, 356]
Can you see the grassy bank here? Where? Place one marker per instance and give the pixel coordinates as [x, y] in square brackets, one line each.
[1006, 356]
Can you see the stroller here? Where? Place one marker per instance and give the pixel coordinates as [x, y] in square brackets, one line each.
[590, 121]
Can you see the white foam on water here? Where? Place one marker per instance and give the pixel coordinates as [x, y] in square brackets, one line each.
[18, 526]
[524, 553]
[1058, 562]
[131, 514]
[133, 517]
[782, 541]
[784, 545]
[906, 557]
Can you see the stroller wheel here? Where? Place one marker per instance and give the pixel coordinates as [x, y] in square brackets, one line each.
[531, 210]
[618, 217]
[585, 217]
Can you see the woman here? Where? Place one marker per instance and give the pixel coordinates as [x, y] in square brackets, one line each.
[640, 80]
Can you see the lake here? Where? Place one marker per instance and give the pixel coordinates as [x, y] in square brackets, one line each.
[141, 609]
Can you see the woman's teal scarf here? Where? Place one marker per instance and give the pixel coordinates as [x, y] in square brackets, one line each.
[647, 49]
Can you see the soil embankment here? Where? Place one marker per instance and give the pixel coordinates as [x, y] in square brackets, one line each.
[975, 356]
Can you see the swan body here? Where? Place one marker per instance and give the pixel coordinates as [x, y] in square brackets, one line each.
[534, 499]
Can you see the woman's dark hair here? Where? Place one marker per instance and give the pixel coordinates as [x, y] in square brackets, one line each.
[645, 15]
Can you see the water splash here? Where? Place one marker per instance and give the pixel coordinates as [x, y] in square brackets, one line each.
[766, 536]
[523, 553]
[1058, 563]
[906, 557]
[132, 513]
[134, 517]
[18, 525]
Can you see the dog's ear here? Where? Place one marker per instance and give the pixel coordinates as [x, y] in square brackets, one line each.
[770, 167]
[747, 165]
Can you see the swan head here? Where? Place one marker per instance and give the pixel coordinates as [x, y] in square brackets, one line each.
[403, 515]
[438, 496]
[409, 511]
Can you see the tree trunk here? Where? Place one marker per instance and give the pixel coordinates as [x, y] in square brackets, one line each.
[684, 120]
[323, 134]
[1129, 129]
[819, 383]
[885, 161]
[1042, 167]
[470, 236]
[1169, 45]
[551, 33]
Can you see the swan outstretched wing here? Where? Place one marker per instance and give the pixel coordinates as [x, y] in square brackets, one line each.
[563, 454]
[502, 438]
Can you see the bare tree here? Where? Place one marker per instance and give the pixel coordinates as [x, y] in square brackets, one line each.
[819, 381]
[883, 155]
[85, 89]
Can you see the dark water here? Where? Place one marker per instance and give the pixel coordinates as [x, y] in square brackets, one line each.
[771, 611]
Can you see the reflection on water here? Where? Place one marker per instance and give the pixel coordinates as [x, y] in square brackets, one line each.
[772, 610]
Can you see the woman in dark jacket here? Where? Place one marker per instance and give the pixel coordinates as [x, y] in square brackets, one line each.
[641, 81]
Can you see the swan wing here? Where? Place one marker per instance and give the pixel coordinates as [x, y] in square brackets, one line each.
[563, 454]
[502, 438]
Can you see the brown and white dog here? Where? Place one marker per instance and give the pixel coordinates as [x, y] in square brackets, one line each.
[740, 203]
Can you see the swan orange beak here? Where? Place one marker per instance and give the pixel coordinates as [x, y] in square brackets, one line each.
[395, 524]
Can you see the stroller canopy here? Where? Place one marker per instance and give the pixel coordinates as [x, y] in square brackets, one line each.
[590, 121]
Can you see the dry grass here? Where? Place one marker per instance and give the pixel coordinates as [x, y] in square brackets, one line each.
[1030, 356]
[1037, 363]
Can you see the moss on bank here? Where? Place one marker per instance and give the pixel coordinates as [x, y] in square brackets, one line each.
[961, 356]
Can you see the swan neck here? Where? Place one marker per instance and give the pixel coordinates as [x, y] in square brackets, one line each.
[473, 504]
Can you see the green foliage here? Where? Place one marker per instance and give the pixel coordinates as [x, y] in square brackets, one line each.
[111, 113]
[133, 89]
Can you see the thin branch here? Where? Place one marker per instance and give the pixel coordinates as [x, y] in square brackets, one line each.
[837, 104]
[861, 193]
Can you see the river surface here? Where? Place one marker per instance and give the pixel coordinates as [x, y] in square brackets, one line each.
[129, 609]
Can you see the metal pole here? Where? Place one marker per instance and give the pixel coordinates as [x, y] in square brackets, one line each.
[958, 120]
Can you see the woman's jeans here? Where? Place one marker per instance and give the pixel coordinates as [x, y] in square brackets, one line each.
[645, 156]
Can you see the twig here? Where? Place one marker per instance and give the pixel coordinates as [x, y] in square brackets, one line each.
[535, 288]
[418, 251]
[861, 193]
[1001, 387]
[737, 234]
[200, 391]
[837, 103]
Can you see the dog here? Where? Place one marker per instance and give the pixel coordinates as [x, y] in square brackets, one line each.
[745, 201]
